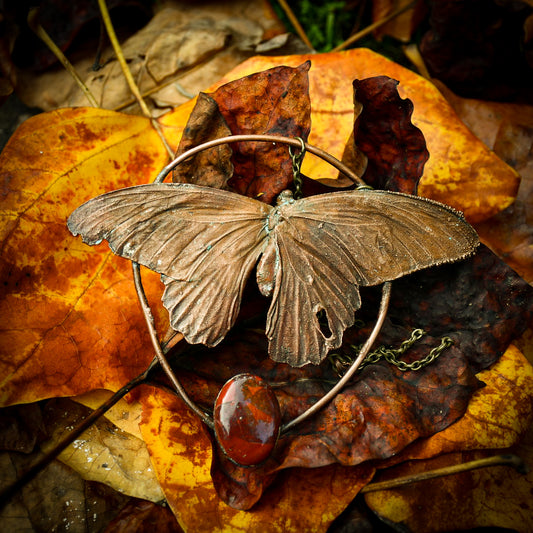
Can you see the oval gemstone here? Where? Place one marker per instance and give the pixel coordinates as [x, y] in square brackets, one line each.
[247, 419]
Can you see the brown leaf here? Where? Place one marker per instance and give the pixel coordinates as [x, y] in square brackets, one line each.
[144, 517]
[211, 167]
[57, 498]
[396, 150]
[20, 428]
[497, 416]
[505, 128]
[273, 102]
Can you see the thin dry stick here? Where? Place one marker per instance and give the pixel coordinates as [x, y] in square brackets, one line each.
[127, 73]
[41, 33]
[295, 22]
[372, 27]
[8, 492]
[497, 460]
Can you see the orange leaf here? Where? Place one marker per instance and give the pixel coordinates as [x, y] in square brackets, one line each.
[461, 170]
[181, 454]
[71, 317]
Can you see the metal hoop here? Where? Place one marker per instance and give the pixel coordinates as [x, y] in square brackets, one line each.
[385, 297]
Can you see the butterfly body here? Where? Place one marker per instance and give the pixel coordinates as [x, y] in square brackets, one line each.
[311, 254]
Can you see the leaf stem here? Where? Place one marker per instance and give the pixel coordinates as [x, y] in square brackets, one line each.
[497, 460]
[8, 492]
[41, 33]
[372, 27]
[127, 73]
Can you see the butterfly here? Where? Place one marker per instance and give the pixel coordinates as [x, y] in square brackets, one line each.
[311, 254]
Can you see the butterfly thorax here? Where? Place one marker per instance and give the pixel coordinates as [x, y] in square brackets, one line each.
[274, 218]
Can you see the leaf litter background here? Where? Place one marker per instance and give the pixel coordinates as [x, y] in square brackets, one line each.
[56, 313]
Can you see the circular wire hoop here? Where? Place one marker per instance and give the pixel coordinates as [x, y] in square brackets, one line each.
[385, 297]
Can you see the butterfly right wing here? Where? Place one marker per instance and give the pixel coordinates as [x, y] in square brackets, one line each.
[326, 246]
[203, 241]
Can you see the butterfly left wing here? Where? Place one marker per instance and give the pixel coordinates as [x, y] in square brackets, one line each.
[203, 241]
[328, 245]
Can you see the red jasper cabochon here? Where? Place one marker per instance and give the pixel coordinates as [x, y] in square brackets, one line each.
[247, 419]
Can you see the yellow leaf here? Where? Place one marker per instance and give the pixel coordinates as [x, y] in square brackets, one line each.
[498, 416]
[62, 300]
[303, 499]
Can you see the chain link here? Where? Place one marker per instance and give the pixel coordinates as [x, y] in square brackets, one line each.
[296, 165]
[341, 362]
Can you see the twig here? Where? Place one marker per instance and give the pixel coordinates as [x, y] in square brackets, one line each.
[497, 460]
[8, 492]
[127, 72]
[295, 22]
[41, 33]
[372, 27]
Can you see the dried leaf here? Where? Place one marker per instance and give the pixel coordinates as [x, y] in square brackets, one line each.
[104, 453]
[212, 167]
[58, 498]
[499, 417]
[54, 289]
[505, 128]
[20, 428]
[274, 102]
[395, 149]
[144, 517]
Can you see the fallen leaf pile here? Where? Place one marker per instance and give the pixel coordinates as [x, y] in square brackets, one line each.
[72, 324]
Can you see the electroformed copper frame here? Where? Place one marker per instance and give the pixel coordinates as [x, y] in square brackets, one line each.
[206, 418]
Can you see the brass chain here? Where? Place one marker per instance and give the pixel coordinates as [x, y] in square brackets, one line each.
[341, 362]
[296, 165]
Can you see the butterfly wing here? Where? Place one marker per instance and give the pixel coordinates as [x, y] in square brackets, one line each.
[203, 241]
[328, 245]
